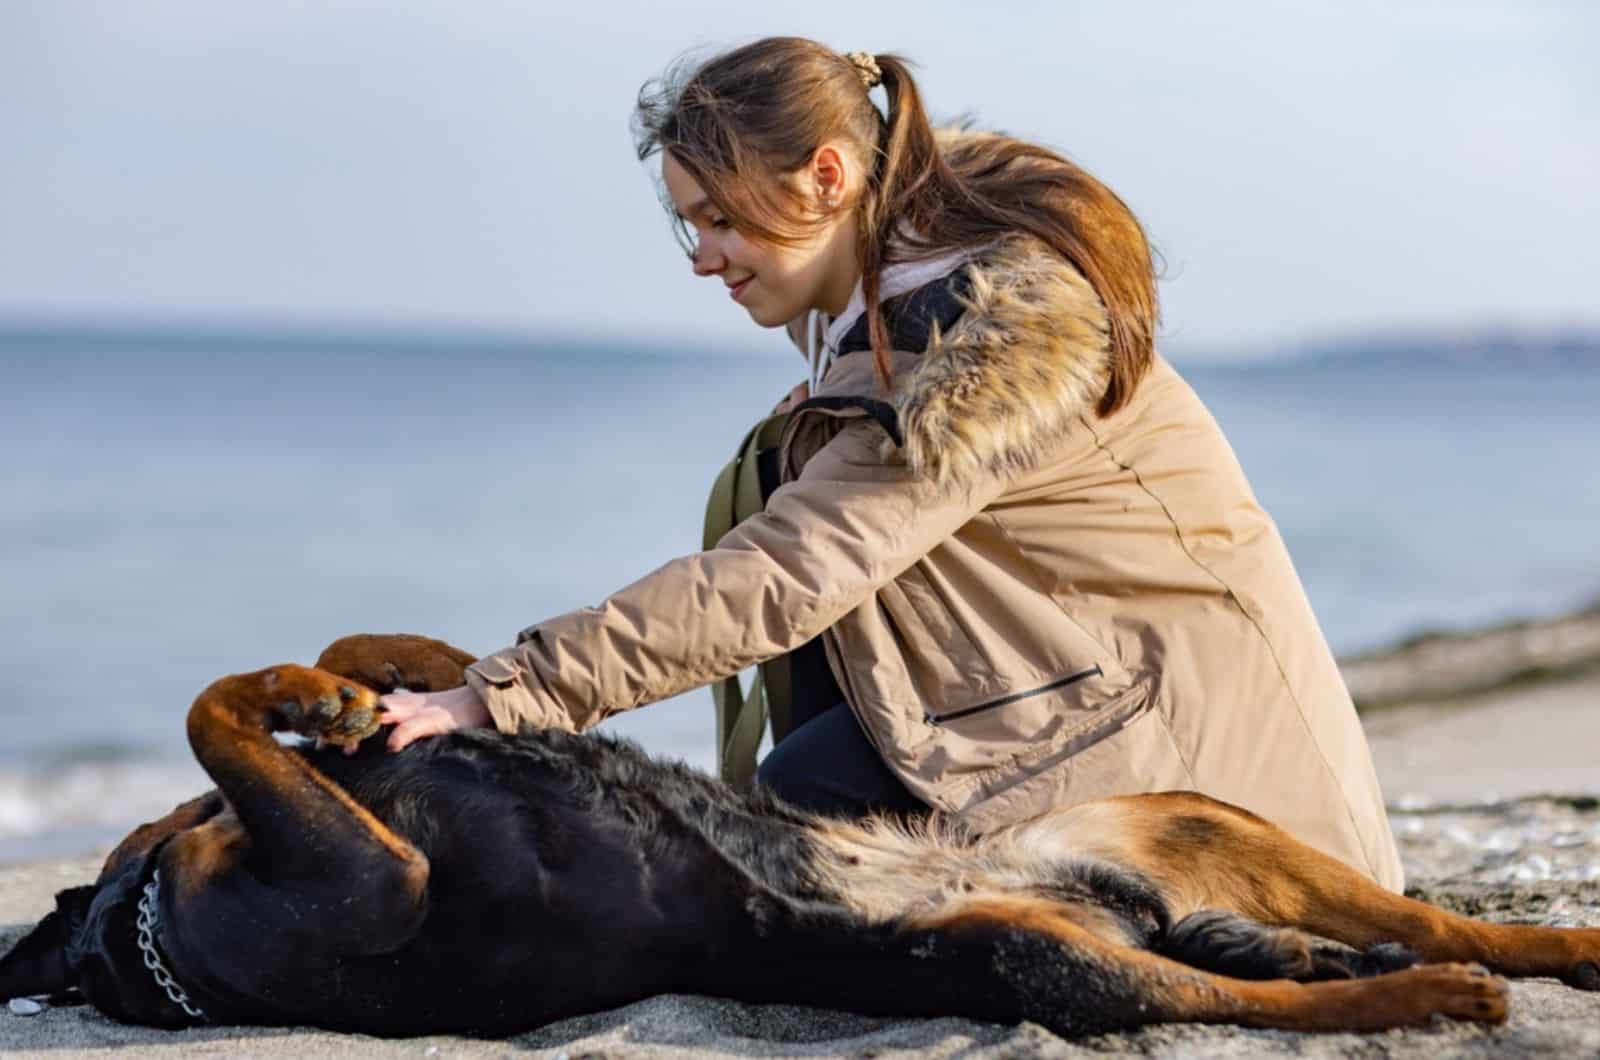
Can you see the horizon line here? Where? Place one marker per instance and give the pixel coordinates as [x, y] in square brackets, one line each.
[144, 330]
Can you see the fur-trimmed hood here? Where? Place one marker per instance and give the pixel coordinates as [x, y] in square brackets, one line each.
[1005, 352]
[1030, 352]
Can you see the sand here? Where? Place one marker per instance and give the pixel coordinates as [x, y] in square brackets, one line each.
[1493, 800]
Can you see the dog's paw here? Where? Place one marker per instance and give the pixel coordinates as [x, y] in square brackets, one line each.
[1458, 991]
[389, 662]
[324, 705]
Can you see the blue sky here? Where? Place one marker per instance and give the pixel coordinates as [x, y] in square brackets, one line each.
[1306, 169]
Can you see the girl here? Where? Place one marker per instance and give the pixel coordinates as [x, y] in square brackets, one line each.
[1033, 564]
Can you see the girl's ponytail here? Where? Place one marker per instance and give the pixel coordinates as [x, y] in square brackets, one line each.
[907, 162]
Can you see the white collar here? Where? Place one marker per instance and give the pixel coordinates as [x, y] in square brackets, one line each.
[894, 280]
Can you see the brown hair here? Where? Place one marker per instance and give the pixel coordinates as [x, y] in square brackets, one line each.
[747, 116]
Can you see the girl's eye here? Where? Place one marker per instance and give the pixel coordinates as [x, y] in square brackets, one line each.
[719, 222]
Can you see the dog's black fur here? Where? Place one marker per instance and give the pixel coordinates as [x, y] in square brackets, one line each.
[568, 874]
[484, 883]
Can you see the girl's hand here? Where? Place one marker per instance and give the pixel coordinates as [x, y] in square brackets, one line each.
[418, 714]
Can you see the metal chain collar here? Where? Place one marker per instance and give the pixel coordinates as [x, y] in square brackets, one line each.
[147, 945]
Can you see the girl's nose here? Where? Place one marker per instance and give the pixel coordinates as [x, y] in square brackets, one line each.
[707, 260]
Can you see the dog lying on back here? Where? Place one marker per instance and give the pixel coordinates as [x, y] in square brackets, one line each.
[488, 884]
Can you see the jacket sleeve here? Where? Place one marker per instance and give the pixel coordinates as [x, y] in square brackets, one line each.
[825, 542]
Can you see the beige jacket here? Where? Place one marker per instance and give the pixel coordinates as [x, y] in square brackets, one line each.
[1025, 605]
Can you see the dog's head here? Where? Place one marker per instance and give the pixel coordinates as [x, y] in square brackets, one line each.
[38, 963]
[88, 950]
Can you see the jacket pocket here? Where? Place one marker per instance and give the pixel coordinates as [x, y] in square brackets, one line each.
[1111, 718]
[1015, 671]
[1073, 743]
[1125, 749]
[1055, 720]
[951, 683]
[941, 718]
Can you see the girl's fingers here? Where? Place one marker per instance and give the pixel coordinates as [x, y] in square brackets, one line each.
[429, 722]
[398, 707]
[400, 701]
[415, 715]
[400, 735]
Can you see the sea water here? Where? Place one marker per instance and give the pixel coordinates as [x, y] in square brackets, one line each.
[171, 515]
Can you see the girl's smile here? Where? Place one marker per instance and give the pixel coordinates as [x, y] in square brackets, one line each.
[818, 272]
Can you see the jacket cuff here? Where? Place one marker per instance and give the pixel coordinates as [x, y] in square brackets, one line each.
[514, 693]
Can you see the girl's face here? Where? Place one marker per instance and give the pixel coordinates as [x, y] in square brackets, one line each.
[775, 284]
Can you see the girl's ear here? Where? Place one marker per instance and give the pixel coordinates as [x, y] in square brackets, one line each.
[38, 964]
[829, 176]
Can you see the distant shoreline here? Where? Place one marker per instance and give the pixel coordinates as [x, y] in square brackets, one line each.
[1451, 665]
[1485, 343]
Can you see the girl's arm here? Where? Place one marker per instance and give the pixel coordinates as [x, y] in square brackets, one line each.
[824, 544]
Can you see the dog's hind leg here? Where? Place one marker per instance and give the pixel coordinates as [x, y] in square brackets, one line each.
[297, 847]
[1203, 854]
[390, 661]
[1323, 895]
[1025, 959]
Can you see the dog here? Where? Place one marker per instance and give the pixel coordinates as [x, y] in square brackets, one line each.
[487, 884]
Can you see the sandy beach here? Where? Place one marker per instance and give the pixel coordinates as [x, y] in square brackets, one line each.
[1493, 796]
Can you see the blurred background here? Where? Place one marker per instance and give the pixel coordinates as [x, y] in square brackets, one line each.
[339, 317]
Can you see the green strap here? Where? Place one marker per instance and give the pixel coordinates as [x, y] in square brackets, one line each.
[735, 496]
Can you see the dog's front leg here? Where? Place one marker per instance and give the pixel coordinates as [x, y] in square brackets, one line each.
[338, 871]
[392, 661]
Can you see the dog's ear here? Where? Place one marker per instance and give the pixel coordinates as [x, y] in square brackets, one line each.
[38, 963]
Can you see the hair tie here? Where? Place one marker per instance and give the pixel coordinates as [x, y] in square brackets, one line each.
[867, 68]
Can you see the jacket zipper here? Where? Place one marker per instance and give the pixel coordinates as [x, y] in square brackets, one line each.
[1060, 682]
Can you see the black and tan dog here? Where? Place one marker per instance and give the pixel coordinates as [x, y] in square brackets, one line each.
[484, 883]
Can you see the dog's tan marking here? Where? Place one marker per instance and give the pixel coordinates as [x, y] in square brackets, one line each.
[143, 839]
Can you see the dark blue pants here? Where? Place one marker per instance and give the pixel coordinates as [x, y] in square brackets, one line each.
[827, 766]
